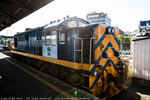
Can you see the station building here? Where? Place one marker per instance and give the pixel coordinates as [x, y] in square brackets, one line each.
[100, 18]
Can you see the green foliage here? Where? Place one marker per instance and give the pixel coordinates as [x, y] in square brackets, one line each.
[2, 40]
[125, 41]
[123, 37]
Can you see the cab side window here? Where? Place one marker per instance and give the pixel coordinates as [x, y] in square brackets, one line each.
[62, 35]
[50, 38]
[47, 38]
[53, 38]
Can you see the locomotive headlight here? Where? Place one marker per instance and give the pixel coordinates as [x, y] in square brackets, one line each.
[109, 30]
[124, 66]
[113, 30]
[95, 73]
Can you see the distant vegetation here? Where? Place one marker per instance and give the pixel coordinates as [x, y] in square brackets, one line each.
[2, 40]
[125, 41]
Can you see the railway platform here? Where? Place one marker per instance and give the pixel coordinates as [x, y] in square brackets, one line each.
[23, 82]
[20, 81]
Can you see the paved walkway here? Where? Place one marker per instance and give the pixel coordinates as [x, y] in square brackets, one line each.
[24, 82]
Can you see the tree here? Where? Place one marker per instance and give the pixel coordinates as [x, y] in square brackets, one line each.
[125, 41]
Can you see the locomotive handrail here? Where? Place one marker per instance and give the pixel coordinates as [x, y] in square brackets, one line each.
[91, 49]
[37, 45]
[78, 50]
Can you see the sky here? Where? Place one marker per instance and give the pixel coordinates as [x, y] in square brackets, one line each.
[125, 14]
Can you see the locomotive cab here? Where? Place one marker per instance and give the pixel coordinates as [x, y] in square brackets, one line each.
[8, 45]
[58, 38]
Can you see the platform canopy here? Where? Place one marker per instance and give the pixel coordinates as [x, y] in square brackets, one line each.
[12, 11]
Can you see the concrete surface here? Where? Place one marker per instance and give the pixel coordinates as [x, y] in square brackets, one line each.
[18, 84]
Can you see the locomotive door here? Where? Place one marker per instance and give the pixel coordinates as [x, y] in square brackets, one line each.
[50, 47]
[62, 43]
[71, 35]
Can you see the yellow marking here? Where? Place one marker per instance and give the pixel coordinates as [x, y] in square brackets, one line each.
[78, 66]
[43, 81]
[99, 32]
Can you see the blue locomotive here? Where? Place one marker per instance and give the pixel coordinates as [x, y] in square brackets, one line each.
[83, 54]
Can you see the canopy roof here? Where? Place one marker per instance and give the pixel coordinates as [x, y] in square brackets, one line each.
[12, 11]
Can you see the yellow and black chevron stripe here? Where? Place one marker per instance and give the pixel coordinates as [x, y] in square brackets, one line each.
[106, 56]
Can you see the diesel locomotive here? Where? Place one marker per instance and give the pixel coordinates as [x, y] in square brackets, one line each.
[85, 55]
[8, 45]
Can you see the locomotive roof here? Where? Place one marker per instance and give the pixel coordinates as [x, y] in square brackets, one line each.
[64, 22]
[34, 29]
[61, 22]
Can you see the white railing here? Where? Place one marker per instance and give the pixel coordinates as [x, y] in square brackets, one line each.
[126, 53]
[78, 50]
